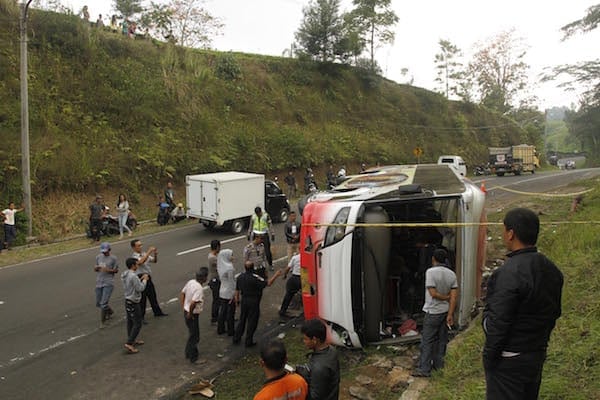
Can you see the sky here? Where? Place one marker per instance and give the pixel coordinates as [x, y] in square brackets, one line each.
[268, 27]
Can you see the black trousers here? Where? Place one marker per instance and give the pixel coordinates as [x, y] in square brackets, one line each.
[215, 285]
[96, 229]
[268, 254]
[191, 346]
[134, 320]
[292, 286]
[226, 317]
[515, 378]
[249, 313]
[150, 294]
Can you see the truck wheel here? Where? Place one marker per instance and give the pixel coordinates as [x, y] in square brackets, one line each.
[500, 173]
[237, 226]
[517, 173]
[209, 224]
[283, 215]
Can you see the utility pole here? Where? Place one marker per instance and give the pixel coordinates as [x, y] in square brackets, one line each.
[25, 165]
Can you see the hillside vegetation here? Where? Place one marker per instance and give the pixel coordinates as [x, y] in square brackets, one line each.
[108, 113]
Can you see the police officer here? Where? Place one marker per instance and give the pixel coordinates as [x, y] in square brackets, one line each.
[254, 253]
[261, 222]
[250, 286]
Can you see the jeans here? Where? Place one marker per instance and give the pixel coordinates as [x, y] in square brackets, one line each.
[191, 346]
[434, 339]
[292, 286]
[103, 296]
[134, 320]
[123, 223]
[226, 317]
[10, 234]
[515, 378]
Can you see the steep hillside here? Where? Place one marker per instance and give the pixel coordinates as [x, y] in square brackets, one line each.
[108, 113]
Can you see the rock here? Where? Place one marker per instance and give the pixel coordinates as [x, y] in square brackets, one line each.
[384, 363]
[361, 393]
[398, 376]
[403, 361]
[363, 380]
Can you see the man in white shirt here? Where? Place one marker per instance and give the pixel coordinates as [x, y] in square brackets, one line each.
[10, 230]
[293, 284]
[192, 301]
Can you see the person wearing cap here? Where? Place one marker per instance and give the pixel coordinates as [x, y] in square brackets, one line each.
[144, 259]
[178, 213]
[254, 253]
[97, 211]
[191, 298]
[133, 287]
[106, 267]
[249, 286]
[261, 222]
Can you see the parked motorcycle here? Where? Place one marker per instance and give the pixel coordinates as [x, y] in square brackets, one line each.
[482, 170]
[110, 224]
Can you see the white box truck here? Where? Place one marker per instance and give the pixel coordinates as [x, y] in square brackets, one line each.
[227, 199]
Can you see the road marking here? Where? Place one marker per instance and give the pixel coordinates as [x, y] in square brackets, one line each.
[206, 246]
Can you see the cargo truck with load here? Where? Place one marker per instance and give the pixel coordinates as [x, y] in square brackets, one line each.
[227, 199]
[513, 159]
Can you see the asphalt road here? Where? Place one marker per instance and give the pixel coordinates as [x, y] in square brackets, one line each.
[51, 346]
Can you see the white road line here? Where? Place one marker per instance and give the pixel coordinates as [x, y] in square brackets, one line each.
[206, 246]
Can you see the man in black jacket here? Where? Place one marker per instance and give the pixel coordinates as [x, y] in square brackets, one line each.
[522, 305]
[323, 369]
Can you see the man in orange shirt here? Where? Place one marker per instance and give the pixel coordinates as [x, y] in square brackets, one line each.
[280, 384]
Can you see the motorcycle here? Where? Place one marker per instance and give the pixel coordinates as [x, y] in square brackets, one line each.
[110, 224]
[482, 170]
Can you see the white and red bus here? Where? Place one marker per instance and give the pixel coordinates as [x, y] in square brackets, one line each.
[366, 244]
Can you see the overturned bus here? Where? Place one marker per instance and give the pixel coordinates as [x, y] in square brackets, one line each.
[365, 246]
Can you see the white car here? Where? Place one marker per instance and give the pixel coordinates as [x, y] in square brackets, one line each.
[456, 162]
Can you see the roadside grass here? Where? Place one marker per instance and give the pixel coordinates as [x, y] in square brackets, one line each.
[572, 369]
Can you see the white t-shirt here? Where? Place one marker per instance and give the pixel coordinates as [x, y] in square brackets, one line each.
[9, 216]
[294, 263]
[193, 293]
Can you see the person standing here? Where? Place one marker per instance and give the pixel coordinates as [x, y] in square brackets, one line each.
[261, 222]
[133, 286]
[123, 214]
[10, 227]
[441, 291]
[254, 253]
[250, 286]
[97, 212]
[280, 384]
[523, 303]
[322, 373]
[226, 316]
[292, 235]
[290, 181]
[144, 259]
[106, 267]
[213, 279]
[331, 178]
[100, 22]
[293, 285]
[192, 301]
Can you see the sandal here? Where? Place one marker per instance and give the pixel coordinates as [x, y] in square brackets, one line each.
[138, 343]
[130, 349]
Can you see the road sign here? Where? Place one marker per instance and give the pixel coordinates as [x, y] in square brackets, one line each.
[417, 151]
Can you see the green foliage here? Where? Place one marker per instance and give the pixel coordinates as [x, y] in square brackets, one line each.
[227, 67]
[448, 67]
[128, 8]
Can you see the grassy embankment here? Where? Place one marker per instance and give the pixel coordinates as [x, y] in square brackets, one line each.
[572, 370]
[109, 114]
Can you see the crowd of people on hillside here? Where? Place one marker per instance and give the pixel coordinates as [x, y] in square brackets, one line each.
[125, 26]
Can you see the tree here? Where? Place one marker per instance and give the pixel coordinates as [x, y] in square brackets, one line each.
[128, 8]
[499, 72]
[322, 33]
[185, 22]
[448, 67]
[588, 23]
[373, 19]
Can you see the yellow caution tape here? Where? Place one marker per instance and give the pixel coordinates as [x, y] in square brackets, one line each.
[438, 224]
[540, 194]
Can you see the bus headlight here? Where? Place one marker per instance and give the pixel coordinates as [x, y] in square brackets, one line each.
[336, 233]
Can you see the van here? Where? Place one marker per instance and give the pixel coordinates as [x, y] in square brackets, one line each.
[366, 244]
[456, 162]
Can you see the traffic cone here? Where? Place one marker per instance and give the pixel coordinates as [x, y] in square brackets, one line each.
[482, 187]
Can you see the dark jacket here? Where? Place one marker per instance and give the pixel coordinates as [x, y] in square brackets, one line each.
[522, 305]
[323, 375]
